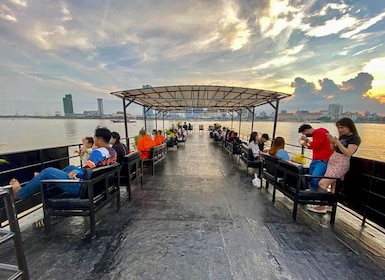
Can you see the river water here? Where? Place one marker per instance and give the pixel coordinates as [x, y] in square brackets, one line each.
[27, 134]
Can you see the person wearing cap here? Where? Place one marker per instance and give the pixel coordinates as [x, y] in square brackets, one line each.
[261, 143]
[320, 145]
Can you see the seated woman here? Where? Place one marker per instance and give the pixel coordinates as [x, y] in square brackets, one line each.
[278, 149]
[253, 144]
[120, 148]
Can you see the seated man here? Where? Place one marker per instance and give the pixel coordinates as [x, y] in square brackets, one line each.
[101, 155]
[145, 143]
[262, 141]
[159, 139]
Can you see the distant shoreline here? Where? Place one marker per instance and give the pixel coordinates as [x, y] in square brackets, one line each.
[108, 117]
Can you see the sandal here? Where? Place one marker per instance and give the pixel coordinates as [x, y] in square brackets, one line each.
[40, 223]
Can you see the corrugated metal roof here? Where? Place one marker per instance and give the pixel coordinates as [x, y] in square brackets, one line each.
[181, 97]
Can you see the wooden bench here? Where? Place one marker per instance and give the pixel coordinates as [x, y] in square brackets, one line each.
[131, 171]
[247, 157]
[99, 186]
[292, 181]
[157, 154]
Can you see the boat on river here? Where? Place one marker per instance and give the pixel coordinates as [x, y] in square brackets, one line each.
[122, 121]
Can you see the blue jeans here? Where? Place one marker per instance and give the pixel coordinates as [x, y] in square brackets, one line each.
[318, 168]
[33, 186]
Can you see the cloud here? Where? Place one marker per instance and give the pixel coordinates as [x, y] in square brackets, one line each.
[21, 3]
[350, 93]
[363, 24]
[7, 14]
[332, 26]
[49, 48]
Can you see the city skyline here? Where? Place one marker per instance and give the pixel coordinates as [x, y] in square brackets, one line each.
[320, 51]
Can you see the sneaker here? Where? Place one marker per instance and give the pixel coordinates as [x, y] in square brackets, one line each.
[317, 209]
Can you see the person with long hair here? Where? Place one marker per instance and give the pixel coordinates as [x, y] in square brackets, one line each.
[120, 148]
[253, 144]
[339, 162]
[278, 149]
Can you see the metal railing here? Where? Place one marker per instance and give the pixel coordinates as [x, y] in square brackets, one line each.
[363, 193]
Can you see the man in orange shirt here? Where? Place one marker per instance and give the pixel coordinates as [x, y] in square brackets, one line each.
[145, 143]
[159, 139]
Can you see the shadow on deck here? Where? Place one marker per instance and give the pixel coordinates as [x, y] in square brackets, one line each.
[199, 217]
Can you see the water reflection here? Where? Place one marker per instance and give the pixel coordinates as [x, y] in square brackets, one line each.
[70, 129]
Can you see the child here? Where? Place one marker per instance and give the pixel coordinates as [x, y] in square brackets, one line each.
[86, 149]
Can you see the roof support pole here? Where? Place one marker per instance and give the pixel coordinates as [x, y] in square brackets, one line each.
[163, 120]
[125, 123]
[156, 120]
[125, 120]
[240, 122]
[232, 117]
[144, 118]
[252, 121]
[275, 117]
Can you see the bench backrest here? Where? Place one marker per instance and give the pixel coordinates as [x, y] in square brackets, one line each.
[158, 150]
[247, 152]
[270, 164]
[291, 175]
[126, 160]
[94, 177]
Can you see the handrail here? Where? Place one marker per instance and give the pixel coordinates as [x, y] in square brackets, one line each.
[365, 181]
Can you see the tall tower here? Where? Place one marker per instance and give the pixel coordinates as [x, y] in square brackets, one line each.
[335, 110]
[100, 107]
[67, 104]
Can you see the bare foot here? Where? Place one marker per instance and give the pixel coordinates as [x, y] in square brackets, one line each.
[15, 187]
[35, 174]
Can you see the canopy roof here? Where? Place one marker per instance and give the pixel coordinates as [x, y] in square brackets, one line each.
[169, 98]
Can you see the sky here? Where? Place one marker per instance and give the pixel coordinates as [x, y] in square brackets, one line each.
[321, 52]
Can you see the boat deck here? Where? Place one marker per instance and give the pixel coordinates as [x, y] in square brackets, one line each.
[200, 217]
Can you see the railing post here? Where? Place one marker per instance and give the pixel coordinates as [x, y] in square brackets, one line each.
[14, 227]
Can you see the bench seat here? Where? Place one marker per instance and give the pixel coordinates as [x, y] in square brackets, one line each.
[131, 171]
[247, 157]
[157, 154]
[291, 180]
[99, 186]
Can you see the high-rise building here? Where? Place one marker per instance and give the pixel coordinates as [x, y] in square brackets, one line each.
[335, 110]
[100, 107]
[67, 104]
